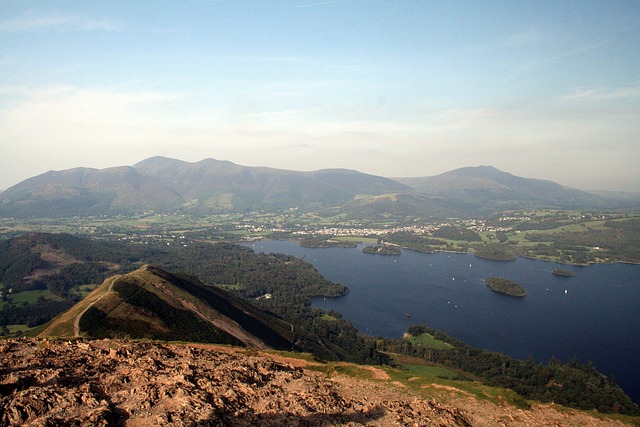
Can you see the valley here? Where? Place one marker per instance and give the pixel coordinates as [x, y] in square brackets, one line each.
[566, 236]
[481, 209]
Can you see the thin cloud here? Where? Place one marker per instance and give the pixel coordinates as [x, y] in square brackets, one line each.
[62, 92]
[323, 3]
[584, 48]
[273, 59]
[524, 38]
[64, 21]
[604, 94]
[545, 61]
[4, 62]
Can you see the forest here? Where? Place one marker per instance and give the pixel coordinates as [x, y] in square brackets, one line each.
[575, 384]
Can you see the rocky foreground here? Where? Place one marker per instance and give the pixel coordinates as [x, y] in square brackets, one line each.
[107, 382]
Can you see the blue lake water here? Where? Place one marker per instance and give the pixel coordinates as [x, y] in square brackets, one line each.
[594, 315]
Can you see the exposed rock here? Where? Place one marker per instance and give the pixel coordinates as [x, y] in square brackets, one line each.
[109, 382]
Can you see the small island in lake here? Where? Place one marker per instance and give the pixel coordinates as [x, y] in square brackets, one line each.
[382, 250]
[505, 286]
[562, 272]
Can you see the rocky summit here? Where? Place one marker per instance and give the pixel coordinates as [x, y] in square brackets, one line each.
[111, 382]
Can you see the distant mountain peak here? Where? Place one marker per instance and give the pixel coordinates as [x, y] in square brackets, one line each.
[487, 188]
[482, 168]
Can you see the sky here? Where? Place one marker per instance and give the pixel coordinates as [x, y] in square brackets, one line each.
[540, 89]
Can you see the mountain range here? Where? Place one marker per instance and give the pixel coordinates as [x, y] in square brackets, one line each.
[161, 184]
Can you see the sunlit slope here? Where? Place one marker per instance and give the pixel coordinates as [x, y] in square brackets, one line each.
[64, 325]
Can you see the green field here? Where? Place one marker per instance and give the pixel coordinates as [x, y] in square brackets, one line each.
[29, 297]
[428, 341]
[431, 380]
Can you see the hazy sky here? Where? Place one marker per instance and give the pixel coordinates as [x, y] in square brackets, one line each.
[541, 89]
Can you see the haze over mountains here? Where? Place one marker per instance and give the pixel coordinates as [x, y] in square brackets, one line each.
[162, 184]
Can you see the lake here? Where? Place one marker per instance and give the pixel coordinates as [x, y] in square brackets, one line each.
[593, 316]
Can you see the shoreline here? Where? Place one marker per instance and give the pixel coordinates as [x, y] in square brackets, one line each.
[469, 252]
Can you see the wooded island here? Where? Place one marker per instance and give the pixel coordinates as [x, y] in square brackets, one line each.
[505, 286]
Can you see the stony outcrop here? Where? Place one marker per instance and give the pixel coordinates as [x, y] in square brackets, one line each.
[143, 384]
[108, 382]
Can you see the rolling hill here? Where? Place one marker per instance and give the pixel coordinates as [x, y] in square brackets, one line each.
[152, 303]
[85, 192]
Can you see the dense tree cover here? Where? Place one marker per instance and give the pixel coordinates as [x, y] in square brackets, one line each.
[505, 286]
[382, 250]
[33, 314]
[457, 233]
[541, 223]
[412, 241]
[81, 248]
[573, 384]
[288, 279]
[326, 242]
[617, 240]
[16, 262]
[67, 278]
[85, 261]
[496, 252]
[562, 272]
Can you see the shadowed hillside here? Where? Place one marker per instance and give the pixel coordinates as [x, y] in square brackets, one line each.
[152, 303]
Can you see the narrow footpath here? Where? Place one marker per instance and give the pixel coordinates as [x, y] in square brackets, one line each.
[76, 322]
